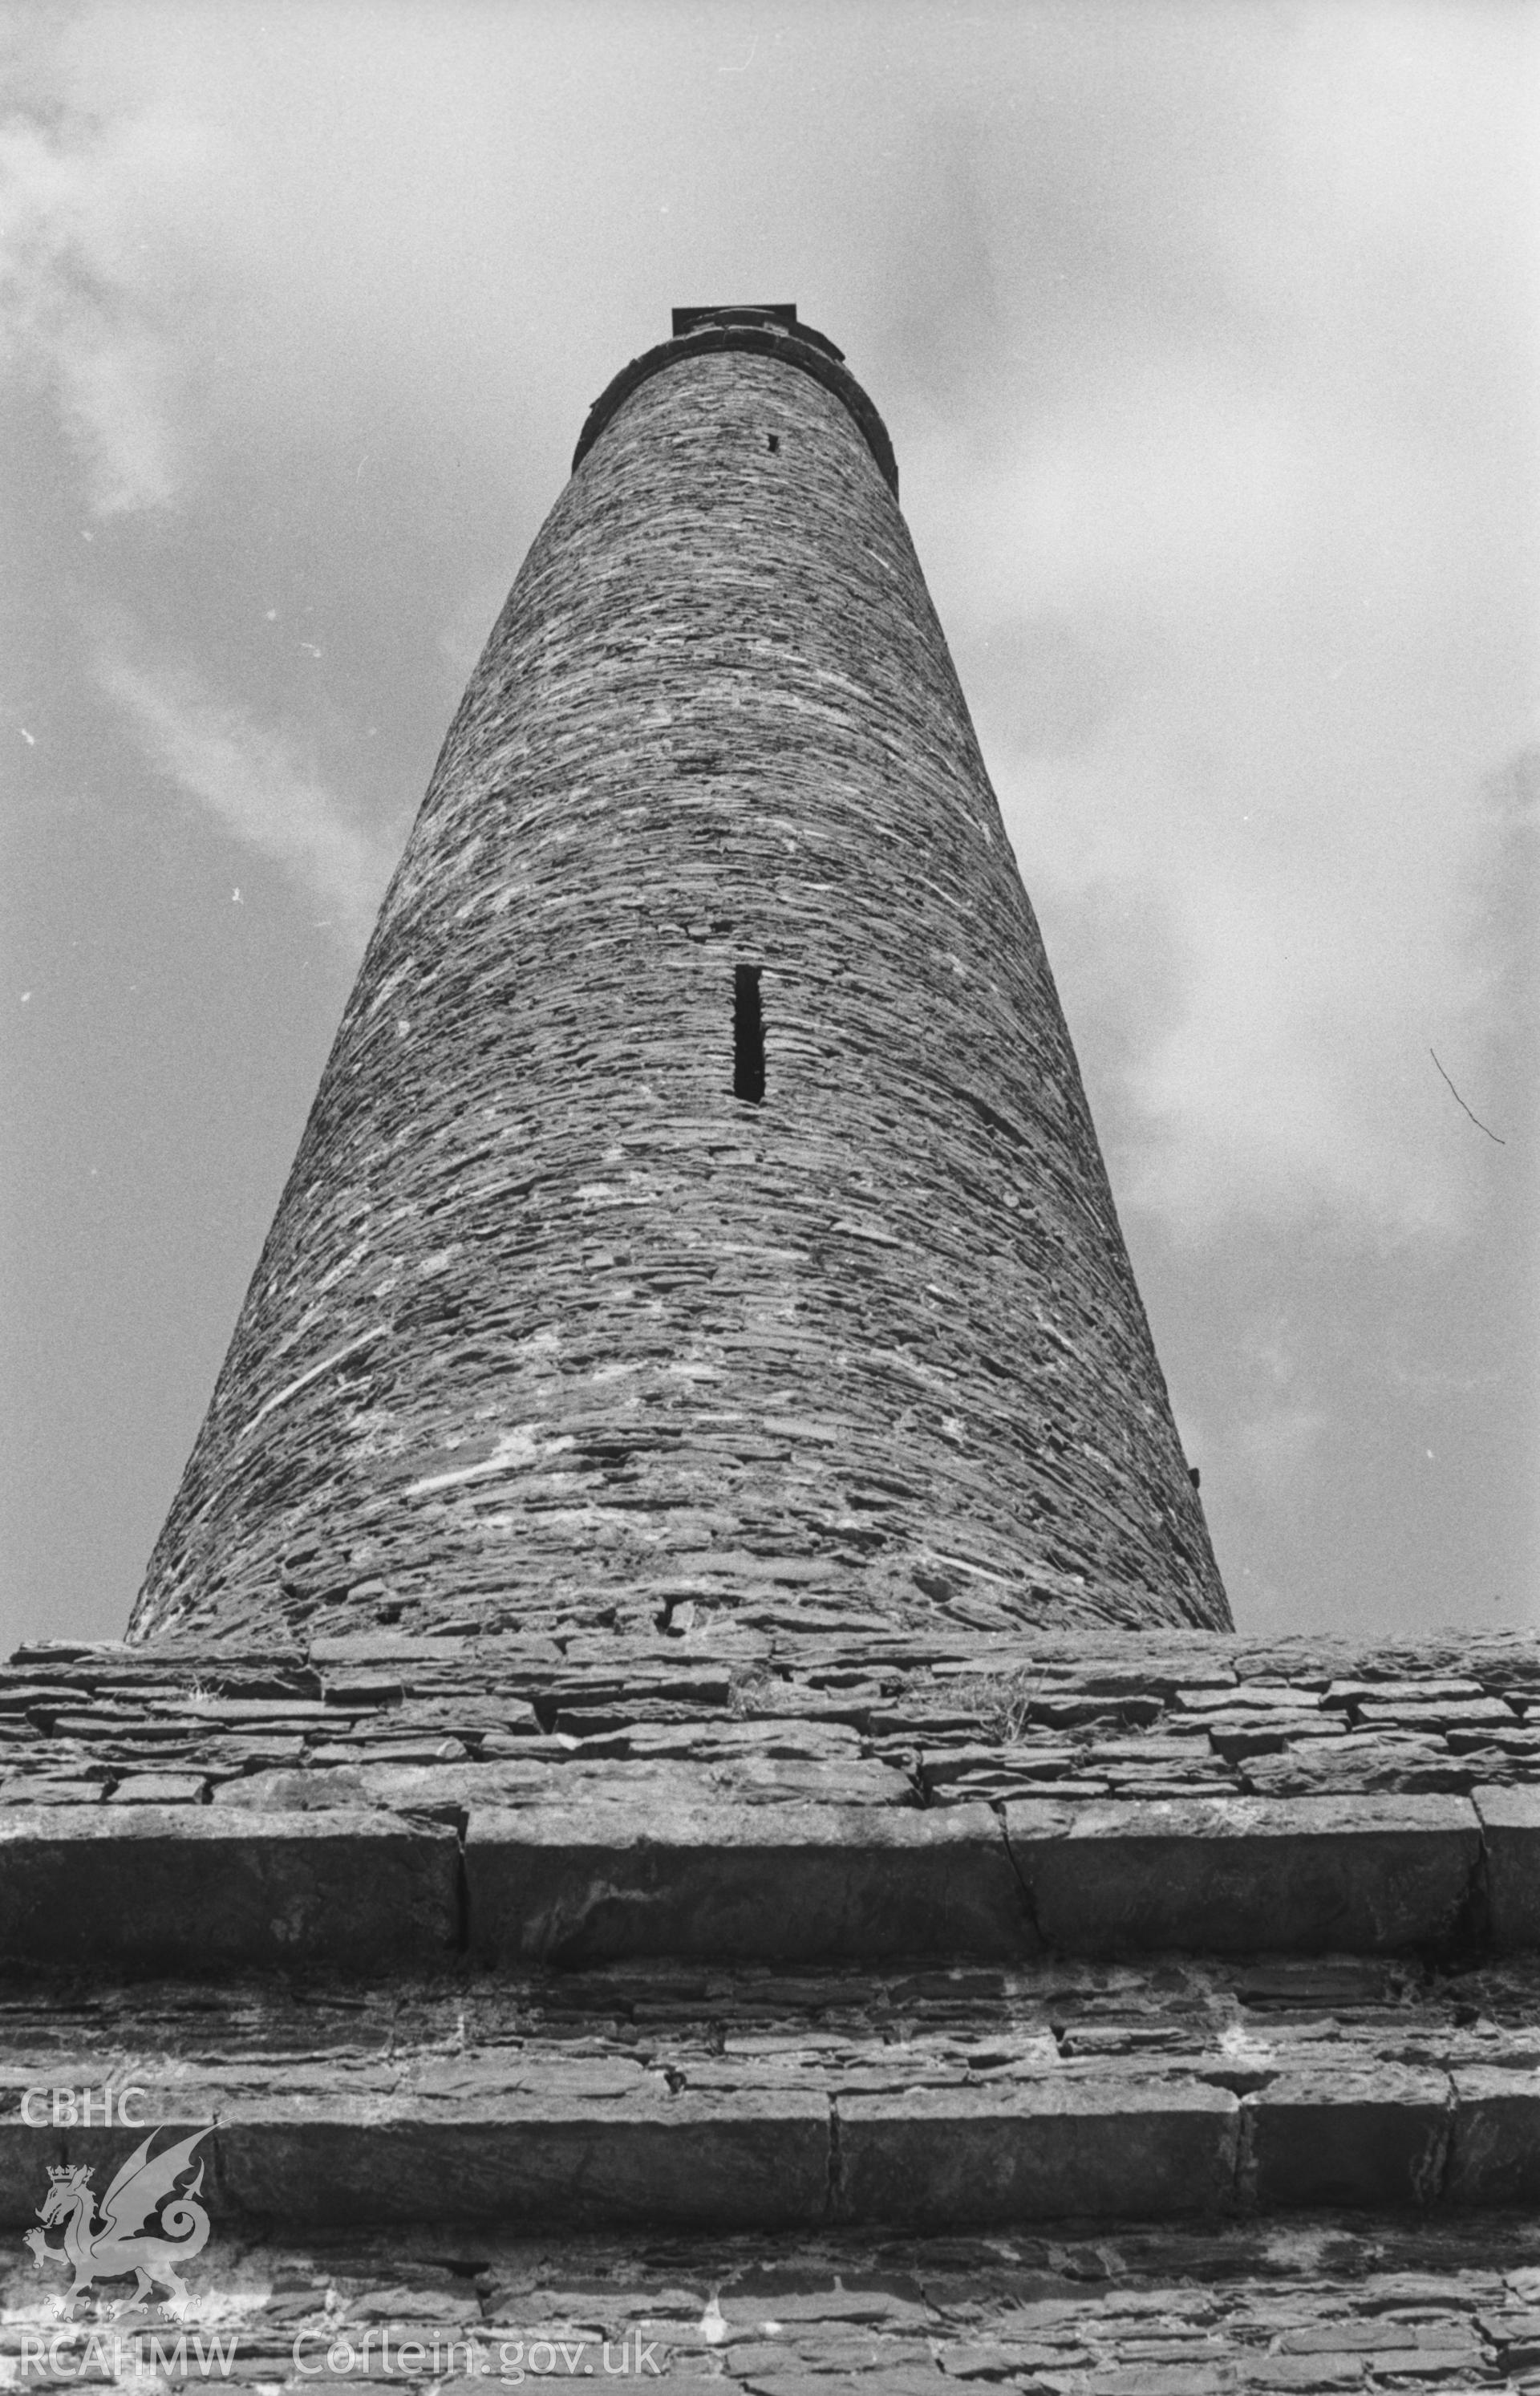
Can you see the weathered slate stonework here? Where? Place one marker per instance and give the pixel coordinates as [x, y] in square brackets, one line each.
[722, 1796]
[935, 2096]
[770, 1711]
[736, 1927]
[680, 1801]
[550, 1324]
[1110, 2308]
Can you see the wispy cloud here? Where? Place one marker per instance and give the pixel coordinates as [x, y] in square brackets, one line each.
[1201, 338]
[259, 791]
[83, 261]
[1241, 587]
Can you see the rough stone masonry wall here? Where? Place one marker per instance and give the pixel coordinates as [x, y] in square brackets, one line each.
[551, 1326]
[771, 1709]
[1114, 2309]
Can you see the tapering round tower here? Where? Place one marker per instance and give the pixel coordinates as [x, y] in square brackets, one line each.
[700, 1209]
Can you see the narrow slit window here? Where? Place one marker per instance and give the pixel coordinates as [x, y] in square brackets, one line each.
[747, 1035]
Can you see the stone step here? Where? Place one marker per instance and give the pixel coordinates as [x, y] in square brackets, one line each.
[505, 2147]
[202, 1889]
[925, 2093]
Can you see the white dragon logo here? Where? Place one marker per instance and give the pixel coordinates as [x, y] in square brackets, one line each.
[140, 2201]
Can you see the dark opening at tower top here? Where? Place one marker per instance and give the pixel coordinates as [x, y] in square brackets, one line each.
[747, 1035]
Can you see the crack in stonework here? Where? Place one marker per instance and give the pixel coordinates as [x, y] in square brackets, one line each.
[1430, 2177]
[1028, 1899]
[462, 1887]
[1244, 2160]
[835, 2198]
[1472, 1928]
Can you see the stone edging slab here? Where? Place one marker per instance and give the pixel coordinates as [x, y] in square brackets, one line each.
[1366, 1875]
[805, 1883]
[780, 2157]
[177, 1888]
[199, 1889]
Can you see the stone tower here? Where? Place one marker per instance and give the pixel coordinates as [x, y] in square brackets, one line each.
[700, 1210]
[674, 1800]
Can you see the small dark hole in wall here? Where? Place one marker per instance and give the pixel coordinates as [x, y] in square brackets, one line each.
[773, 442]
[747, 1035]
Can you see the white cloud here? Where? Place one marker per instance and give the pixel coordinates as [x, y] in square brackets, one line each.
[1242, 588]
[258, 790]
[85, 207]
[1198, 334]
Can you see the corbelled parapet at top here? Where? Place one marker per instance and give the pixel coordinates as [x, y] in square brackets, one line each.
[700, 1213]
[764, 332]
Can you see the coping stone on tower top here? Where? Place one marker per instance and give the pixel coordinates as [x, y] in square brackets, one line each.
[766, 331]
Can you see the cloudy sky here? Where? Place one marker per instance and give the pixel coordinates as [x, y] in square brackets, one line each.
[1206, 337]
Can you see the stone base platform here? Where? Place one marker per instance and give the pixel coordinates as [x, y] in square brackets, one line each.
[791, 1936]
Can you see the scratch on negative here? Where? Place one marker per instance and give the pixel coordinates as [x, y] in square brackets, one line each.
[1460, 1102]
